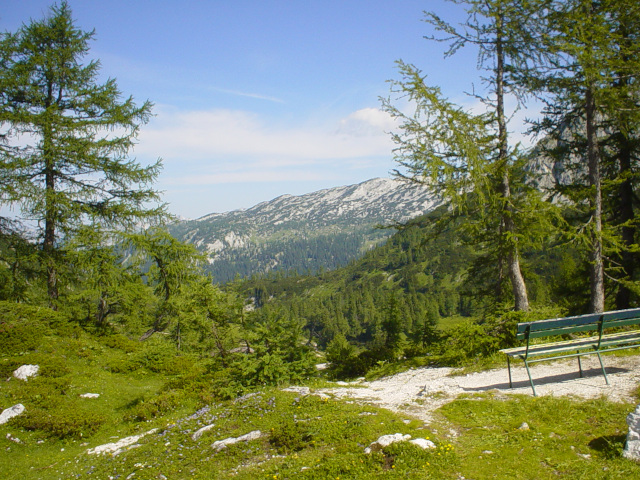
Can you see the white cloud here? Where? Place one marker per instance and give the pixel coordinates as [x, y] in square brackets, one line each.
[224, 134]
[249, 176]
[367, 122]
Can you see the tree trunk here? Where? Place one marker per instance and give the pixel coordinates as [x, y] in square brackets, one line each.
[49, 241]
[518, 286]
[596, 267]
[623, 142]
[625, 195]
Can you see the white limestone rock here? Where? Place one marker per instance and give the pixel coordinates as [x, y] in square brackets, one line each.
[196, 436]
[304, 391]
[13, 439]
[117, 447]
[8, 413]
[221, 444]
[423, 443]
[385, 441]
[26, 371]
[632, 448]
[90, 395]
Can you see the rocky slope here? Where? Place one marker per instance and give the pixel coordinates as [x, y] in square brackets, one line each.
[306, 233]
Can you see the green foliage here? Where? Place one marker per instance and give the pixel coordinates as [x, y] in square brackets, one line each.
[280, 356]
[74, 170]
[120, 342]
[289, 436]
[24, 327]
[159, 405]
[20, 335]
[68, 422]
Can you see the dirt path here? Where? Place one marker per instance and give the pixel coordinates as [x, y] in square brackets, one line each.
[419, 392]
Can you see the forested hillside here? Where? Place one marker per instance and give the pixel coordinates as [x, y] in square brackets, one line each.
[405, 295]
[304, 234]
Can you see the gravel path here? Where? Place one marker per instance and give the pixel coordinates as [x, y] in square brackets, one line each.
[418, 392]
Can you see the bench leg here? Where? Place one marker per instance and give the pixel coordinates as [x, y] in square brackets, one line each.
[533, 387]
[606, 379]
[509, 367]
[580, 366]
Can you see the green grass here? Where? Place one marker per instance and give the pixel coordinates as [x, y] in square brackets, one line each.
[566, 438]
[305, 437]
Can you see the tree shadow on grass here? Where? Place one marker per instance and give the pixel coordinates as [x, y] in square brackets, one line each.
[609, 446]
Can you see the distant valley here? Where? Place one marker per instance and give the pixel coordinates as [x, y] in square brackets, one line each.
[317, 231]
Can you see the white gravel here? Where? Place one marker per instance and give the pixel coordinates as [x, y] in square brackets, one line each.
[418, 392]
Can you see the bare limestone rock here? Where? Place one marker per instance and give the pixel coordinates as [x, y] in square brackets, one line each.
[26, 371]
[119, 446]
[632, 448]
[423, 443]
[385, 441]
[11, 412]
[90, 395]
[13, 439]
[196, 436]
[221, 444]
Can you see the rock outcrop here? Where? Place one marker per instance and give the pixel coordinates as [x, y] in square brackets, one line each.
[632, 448]
[386, 440]
[221, 444]
[8, 413]
[119, 446]
[26, 371]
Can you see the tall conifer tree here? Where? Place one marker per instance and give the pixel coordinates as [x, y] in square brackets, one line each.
[66, 137]
[503, 32]
[592, 113]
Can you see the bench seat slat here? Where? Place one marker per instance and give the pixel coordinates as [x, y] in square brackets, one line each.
[558, 323]
[558, 331]
[621, 322]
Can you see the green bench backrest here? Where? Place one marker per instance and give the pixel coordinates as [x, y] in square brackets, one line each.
[580, 323]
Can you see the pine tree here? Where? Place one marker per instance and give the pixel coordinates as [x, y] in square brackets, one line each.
[66, 137]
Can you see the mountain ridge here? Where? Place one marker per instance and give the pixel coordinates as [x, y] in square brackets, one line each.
[311, 232]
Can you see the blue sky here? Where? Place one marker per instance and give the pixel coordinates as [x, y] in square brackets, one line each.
[259, 98]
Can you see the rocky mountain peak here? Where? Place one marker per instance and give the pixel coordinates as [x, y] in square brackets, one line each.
[318, 230]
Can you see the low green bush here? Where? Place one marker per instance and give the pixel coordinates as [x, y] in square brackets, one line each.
[8, 366]
[289, 436]
[120, 342]
[159, 405]
[20, 335]
[54, 367]
[122, 364]
[65, 422]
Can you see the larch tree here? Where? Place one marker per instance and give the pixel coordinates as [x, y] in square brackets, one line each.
[66, 137]
[592, 112]
[463, 152]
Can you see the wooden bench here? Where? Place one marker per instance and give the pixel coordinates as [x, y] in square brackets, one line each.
[609, 337]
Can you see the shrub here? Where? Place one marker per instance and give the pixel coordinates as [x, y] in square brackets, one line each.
[123, 364]
[53, 367]
[145, 410]
[290, 436]
[67, 422]
[8, 366]
[120, 342]
[20, 335]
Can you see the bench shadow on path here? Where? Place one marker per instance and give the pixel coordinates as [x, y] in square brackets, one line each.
[549, 379]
